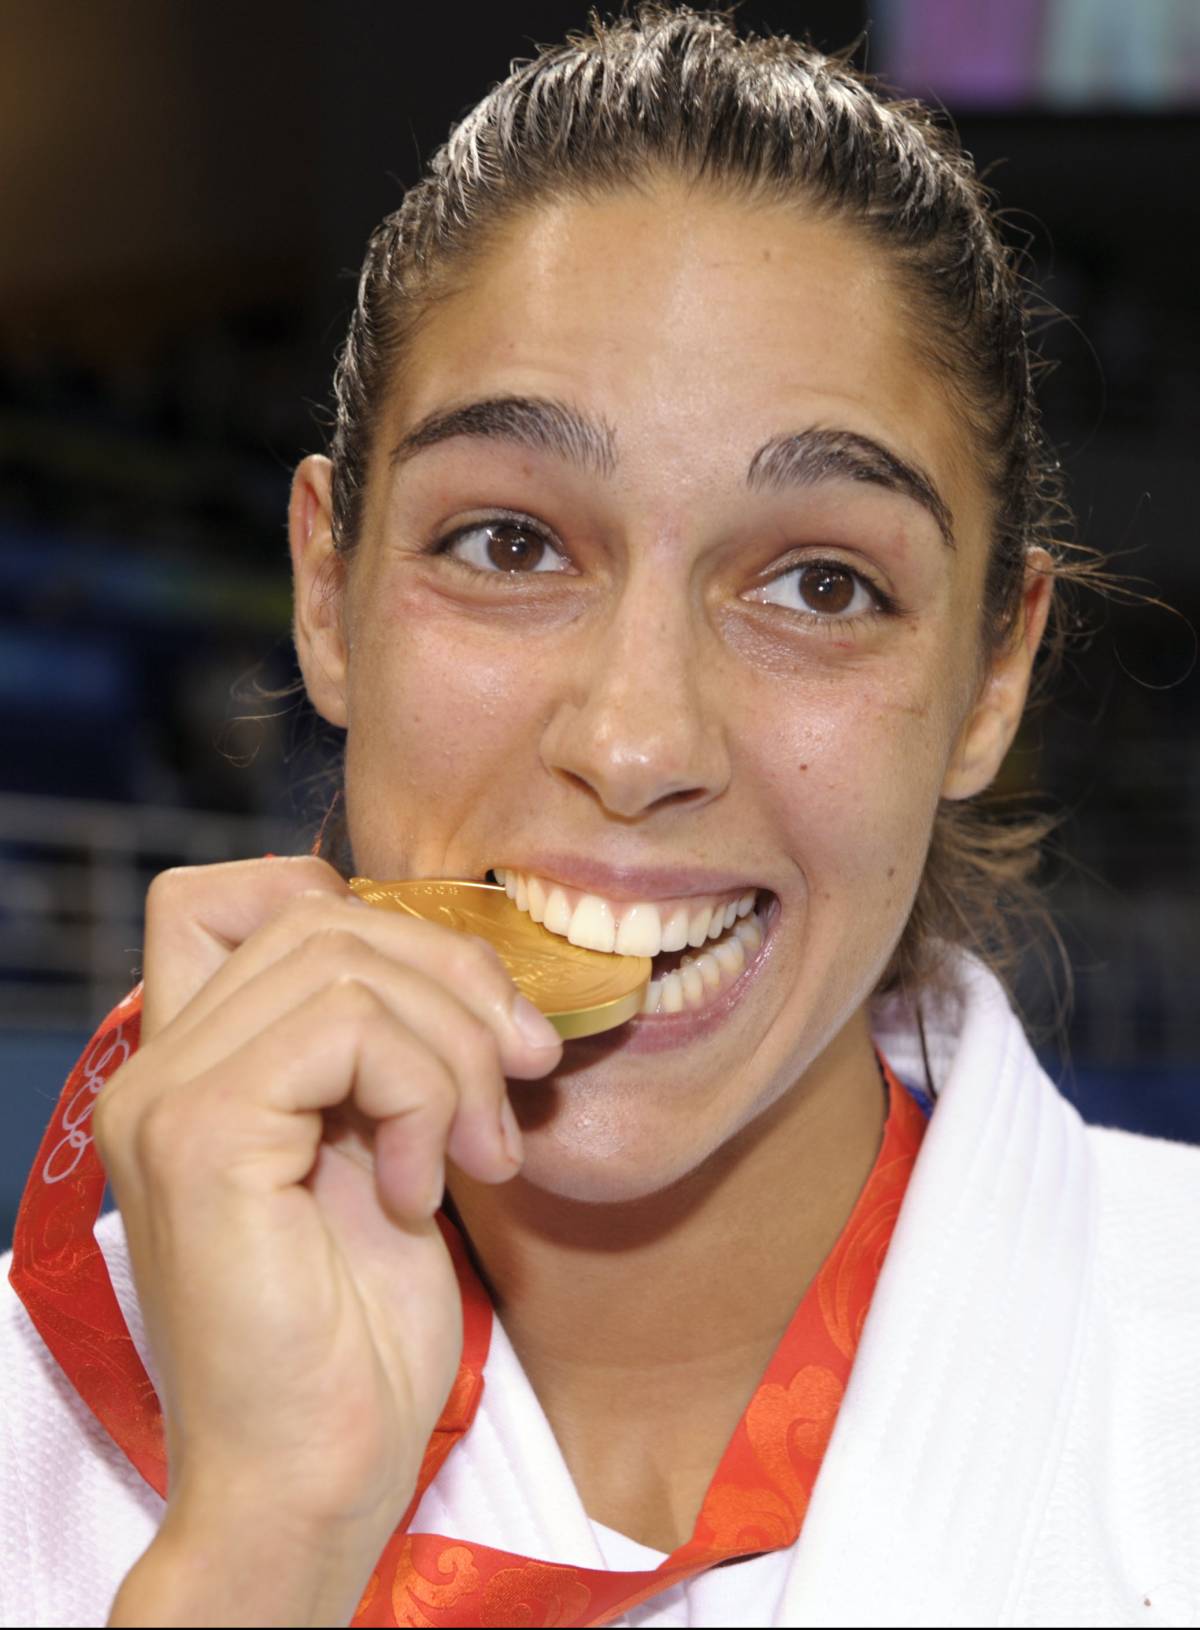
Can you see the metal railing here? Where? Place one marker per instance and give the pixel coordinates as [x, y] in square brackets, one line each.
[73, 881]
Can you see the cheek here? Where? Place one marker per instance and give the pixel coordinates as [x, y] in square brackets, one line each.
[435, 703]
[852, 768]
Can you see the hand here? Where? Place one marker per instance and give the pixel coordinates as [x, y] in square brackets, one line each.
[277, 1147]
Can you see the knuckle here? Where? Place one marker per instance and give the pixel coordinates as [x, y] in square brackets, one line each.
[327, 942]
[477, 1050]
[159, 1135]
[112, 1108]
[165, 888]
[439, 1091]
[354, 1002]
[475, 960]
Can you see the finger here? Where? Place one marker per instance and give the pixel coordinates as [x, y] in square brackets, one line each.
[344, 1045]
[332, 927]
[484, 1138]
[253, 1125]
[197, 916]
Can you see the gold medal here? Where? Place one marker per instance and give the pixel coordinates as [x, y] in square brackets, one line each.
[580, 992]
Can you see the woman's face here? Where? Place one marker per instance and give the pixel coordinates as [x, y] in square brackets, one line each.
[692, 610]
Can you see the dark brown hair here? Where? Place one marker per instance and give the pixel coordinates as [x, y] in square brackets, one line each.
[671, 91]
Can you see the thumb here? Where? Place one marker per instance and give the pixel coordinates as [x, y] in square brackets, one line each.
[197, 916]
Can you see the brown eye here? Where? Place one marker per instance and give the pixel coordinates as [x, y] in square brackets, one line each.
[828, 589]
[825, 591]
[512, 547]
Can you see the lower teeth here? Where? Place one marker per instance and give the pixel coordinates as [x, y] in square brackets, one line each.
[700, 977]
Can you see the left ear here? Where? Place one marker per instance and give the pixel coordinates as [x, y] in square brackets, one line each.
[989, 728]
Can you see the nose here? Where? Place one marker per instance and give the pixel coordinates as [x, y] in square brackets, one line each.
[639, 722]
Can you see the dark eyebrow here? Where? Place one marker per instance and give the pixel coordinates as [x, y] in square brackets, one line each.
[799, 460]
[810, 456]
[530, 421]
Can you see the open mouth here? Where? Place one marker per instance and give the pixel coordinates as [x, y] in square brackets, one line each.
[699, 947]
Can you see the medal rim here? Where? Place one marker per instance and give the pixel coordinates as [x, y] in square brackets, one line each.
[572, 1024]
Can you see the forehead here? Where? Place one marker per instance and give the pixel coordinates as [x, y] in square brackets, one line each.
[697, 326]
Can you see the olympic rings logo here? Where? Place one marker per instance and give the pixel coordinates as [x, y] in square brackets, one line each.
[107, 1056]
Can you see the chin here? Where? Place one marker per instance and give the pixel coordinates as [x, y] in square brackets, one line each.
[588, 1176]
[618, 1143]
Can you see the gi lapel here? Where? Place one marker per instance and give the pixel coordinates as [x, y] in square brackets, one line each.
[945, 1447]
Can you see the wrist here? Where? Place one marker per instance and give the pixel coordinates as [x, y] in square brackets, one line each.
[225, 1570]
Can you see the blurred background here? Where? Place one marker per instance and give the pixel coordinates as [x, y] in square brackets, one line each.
[186, 192]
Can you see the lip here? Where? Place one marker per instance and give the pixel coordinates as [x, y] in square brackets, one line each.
[631, 883]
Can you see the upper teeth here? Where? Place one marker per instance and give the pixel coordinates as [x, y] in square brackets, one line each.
[638, 928]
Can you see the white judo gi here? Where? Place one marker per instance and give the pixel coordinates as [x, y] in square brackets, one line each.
[1019, 1443]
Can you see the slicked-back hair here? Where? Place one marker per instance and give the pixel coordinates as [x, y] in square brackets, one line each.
[668, 92]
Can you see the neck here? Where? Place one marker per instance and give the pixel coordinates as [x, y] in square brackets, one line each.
[663, 1312]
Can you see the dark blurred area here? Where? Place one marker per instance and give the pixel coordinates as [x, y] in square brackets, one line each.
[187, 191]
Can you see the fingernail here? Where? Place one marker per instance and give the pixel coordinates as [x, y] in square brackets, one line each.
[514, 1144]
[534, 1027]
